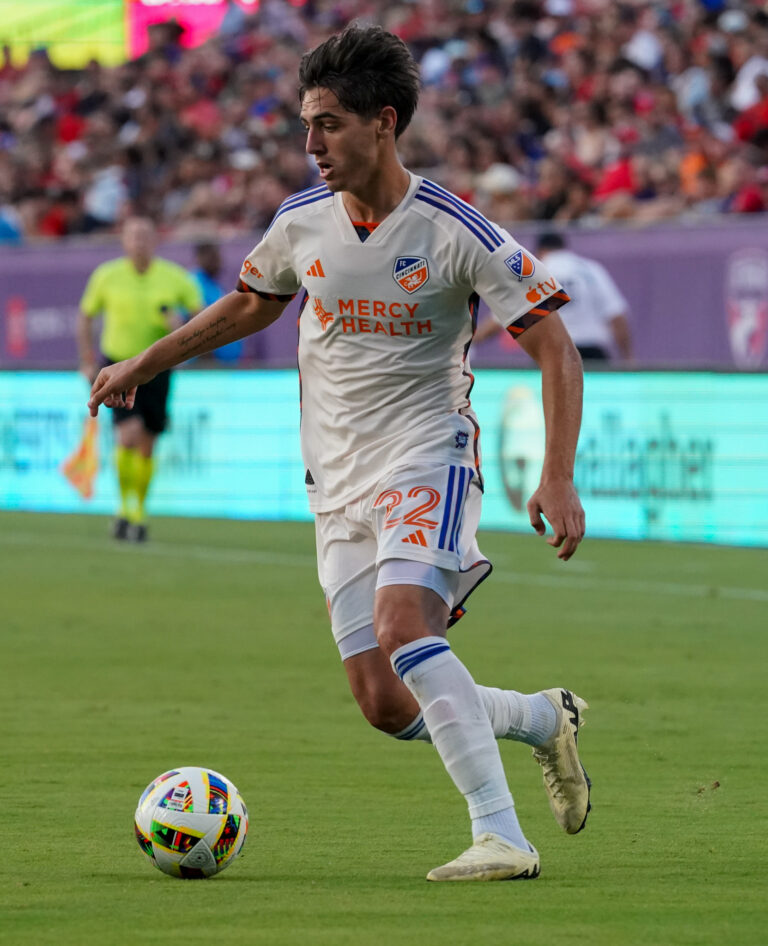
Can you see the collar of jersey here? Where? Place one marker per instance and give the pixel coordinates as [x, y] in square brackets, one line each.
[347, 228]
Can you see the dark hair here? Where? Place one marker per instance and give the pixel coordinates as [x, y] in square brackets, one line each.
[550, 241]
[366, 69]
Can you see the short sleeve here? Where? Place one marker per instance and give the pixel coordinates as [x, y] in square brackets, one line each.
[517, 286]
[93, 300]
[269, 267]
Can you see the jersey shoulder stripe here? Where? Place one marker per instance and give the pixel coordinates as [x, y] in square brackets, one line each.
[472, 212]
[488, 234]
[310, 196]
[301, 196]
[452, 213]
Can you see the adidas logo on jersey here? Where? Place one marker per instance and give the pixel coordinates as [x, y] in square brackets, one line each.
[316, 269]
[416, 538]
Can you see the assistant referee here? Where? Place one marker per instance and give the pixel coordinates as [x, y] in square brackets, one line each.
[141, 298]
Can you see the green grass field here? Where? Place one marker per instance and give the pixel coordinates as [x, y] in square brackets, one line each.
[210, 646]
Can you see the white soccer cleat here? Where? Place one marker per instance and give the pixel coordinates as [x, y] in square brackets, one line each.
[565, 778]
[490, 858]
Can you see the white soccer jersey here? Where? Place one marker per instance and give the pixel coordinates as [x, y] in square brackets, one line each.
[595, 297]
[386, 325]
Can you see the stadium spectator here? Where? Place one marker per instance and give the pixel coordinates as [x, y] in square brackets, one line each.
[140, 298]
[596, 317]
[10, 226]
[565, 94]
[388, 436]
[207, 274]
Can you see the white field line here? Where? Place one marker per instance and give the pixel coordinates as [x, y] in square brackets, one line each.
[254, 557]
[630, 586]
[207, 553]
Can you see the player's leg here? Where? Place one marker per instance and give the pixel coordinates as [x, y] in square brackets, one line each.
[346, 555]
[128, 431]
[388, 705]
[346, 564]
[144, 471]
[152, 407]
[384, 700]
[346, 560]
[549, 720]
[410, 621]
[524, 718]
[417, 515]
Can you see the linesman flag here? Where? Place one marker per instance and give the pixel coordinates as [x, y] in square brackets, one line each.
[81, 467]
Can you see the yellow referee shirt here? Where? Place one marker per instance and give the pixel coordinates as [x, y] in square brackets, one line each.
[137, 306]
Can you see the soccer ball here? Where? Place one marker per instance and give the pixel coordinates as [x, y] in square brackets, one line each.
[191, 822]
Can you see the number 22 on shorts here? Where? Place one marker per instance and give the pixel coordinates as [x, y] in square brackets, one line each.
[392, 499]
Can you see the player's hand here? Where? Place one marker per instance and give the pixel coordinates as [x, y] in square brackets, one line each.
[558, 502]
[115, 386]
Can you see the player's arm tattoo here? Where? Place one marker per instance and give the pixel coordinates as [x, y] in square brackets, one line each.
[207, 338]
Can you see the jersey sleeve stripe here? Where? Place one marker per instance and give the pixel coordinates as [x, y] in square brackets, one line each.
[532, 316]
[451, 212]
[269, 296]
[429, 187]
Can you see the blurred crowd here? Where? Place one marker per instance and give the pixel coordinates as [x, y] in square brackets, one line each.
[577, 111]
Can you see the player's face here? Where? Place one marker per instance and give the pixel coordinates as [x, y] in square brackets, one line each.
[345, 146]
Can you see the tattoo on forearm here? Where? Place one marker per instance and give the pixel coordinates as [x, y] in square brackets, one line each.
[206, 337]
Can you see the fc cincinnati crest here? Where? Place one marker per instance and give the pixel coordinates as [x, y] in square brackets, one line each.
[410, 272]
[521, 265]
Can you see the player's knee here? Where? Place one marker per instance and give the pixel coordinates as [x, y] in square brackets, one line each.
[388, 637]
[397, 630]
[382, 712]
[405, 615]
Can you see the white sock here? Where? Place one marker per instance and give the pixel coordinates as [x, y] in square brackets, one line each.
[523, 718]
[461, 732]
[528, 718]
[416, 731]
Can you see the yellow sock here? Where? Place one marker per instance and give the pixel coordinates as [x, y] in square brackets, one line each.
[125, 462]
[144, 469]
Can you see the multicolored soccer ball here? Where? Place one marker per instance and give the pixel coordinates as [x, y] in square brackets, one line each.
[191, 822]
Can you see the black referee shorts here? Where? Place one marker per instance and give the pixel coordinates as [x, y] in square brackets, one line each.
[151, 404]
[592, 353]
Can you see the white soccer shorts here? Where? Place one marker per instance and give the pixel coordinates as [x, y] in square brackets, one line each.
[423, 513]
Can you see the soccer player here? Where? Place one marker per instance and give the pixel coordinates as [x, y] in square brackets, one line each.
[596, 317]
[141, 298]
[390, 267]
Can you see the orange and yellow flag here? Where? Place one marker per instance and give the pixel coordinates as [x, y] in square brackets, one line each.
[81, 467]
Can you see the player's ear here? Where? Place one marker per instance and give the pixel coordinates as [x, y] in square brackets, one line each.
[387, 121]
